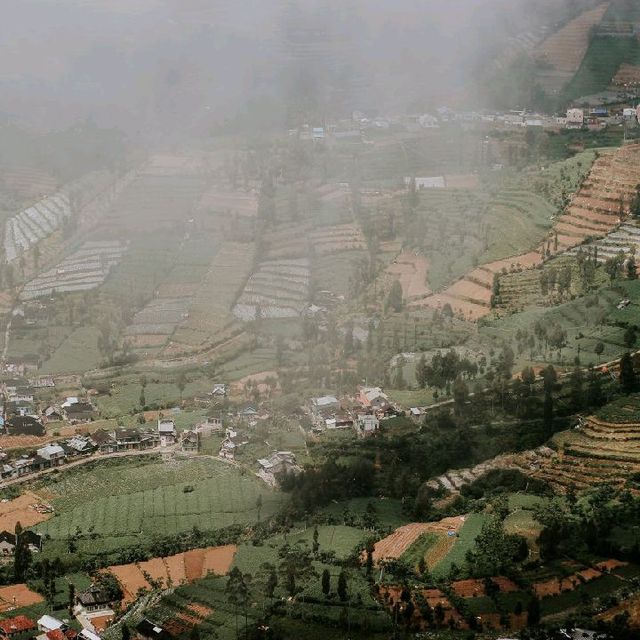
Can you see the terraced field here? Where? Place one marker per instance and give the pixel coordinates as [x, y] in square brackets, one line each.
[83, 270]
[165, 191]
[564, 50]
[277, 289]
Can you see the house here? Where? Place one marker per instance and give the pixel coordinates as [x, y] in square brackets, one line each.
[127, 439]
[52, 454]
[373, 397]
[94, 599]
[366, 425]
[208, 426]
[48, 623]
[22, 394]
[80, 446]
[147, 630]
[7, 543]
[33, 540]
[70, 400]
[64, 633]
[21, 408]
[17, 627]
[103, 441]
[80, 412]
[575, 118]
[9, 387]
[219, 390]
[426, 182]
[25, 465]
[279, 462]
[53, 414]
[324, 404]
[24, 426]
[167, 432]
[189, 441]
[233, 440]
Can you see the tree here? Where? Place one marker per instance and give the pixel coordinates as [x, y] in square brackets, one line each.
[126, 632]
[630, 336]
[21, 554]
[460, 395]
[533, 612]
[259, 505]
[72, 598]
[326, 582]
[342, 587]
[398, 380]
[613, 266]
[181, 383]
[628, 379]
[599, 350]
[422, 372]
[237, 592]
[316, 545]
[594, 389]
[576, 387]
[394, 299]
[632, 268]
[267, 579]
[295, 568]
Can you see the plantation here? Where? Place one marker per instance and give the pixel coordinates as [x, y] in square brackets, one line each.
[146, 499]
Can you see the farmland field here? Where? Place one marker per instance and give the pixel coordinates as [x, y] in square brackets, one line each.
[463, 543]
[145, 499]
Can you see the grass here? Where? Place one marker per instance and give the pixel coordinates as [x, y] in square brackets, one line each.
[78, 353]
[389, 512]
[464, 543]
[604, 57]
[118, 501]
[419, 548]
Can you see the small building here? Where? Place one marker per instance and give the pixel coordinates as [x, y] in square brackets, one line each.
[18, 628]
[48, 623]
[52, 454]
[103, 441]
[167, 432]
[190, 441]
[209, 426]
[24, 426]
[147, 630]
[219, 390]
[278, 462]
[80, 446]
[7, 543]
[575, 118]
[367, 425]
[94, 599]
[80, 412]
[373, 397]
[53, 414]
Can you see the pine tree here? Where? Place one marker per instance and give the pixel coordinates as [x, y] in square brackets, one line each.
[326, 582]
[394, 299]
[422, 372]
[628, 379]
[342, 586]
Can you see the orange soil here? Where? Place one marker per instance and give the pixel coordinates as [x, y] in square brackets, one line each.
[196, 564]
[468, 181]
[193, 564]
[627, 74]
[16, 596]
[630, 606]
[218, 560]
[21, 510]
[566, 48]
[100, 623]
[394, 545]
[469, 588]
[411, 271]
[556, 586]
[175, 569]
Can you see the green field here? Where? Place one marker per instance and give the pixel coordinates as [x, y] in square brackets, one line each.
[464, 542]
[604, 57]
[146, 498]
[78, 353]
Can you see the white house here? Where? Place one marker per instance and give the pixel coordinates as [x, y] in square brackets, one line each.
[49, 623]
[167, 432]
[575, 118]
[366, 425]
[52, 453]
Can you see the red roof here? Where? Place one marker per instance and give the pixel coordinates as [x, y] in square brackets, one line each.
[56, 634]
[16, 625]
